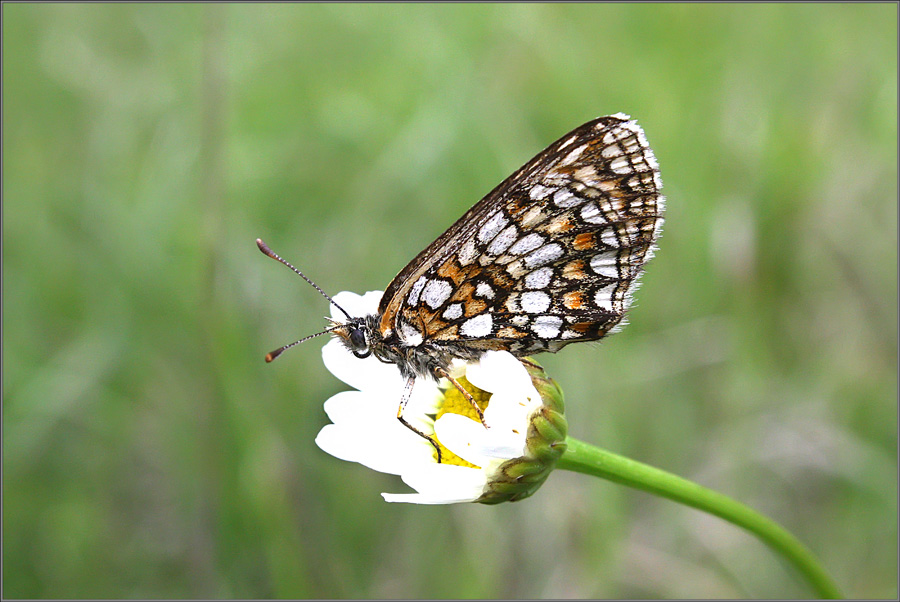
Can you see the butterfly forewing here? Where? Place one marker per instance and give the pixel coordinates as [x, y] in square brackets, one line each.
[549, 257]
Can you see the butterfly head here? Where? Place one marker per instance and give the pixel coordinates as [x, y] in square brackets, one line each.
[363, 337]
[356, 336]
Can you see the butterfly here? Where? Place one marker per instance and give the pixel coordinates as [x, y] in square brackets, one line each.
[549, 257]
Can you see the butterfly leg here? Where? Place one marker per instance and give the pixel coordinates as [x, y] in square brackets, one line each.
[441, 372]
[407, 393]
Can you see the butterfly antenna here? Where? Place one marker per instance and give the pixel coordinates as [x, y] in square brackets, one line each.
[267, 251]
[273, 354]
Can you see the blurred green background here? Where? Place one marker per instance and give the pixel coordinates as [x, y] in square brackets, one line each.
[148, 451]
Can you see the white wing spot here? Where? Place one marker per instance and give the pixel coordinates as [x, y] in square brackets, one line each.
[490, 229]
[478, 326]
[539, 192]
[416, 290]
[539, 278]
[484, 290]
[534, 302]
[502, 241]
[467, 253]
[603, 298]
[573, 156]
[546, 327]
[620, 165]
[520, 321]
[568, 142]
[565, 199]
[609, 238]
[544, 255]
[453, 311]
[436, 292]
[604, 264]
[410, 335]
[611, 151]
[527, 244]
[592, 215]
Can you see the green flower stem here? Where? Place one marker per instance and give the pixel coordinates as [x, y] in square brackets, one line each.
[581, 457]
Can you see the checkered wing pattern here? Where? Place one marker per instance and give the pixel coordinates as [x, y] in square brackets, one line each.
[549, 257]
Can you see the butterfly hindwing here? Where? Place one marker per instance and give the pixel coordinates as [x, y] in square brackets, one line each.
[550, 256]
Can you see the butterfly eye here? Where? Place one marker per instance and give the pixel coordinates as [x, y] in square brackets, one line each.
[358, 342]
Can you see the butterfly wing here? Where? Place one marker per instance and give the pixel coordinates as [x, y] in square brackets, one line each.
[550, 256]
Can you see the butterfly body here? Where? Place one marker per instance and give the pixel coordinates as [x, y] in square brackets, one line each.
[428, 358]
[551, 256]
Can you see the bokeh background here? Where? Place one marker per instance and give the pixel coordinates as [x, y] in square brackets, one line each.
[148, 451]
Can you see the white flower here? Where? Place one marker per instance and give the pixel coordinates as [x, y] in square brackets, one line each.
[365, 428]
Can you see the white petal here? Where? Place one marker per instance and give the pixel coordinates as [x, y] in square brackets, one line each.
[391, 455]
[334, 440]
[511, 409]
[425, 399]
[368, 373]
[419, 498]
[441, 484]
[497, 370]
[462, 436]
[353, 406]
[473, 443]
[373, 420]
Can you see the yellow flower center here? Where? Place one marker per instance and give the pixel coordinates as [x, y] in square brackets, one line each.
[455, 403]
